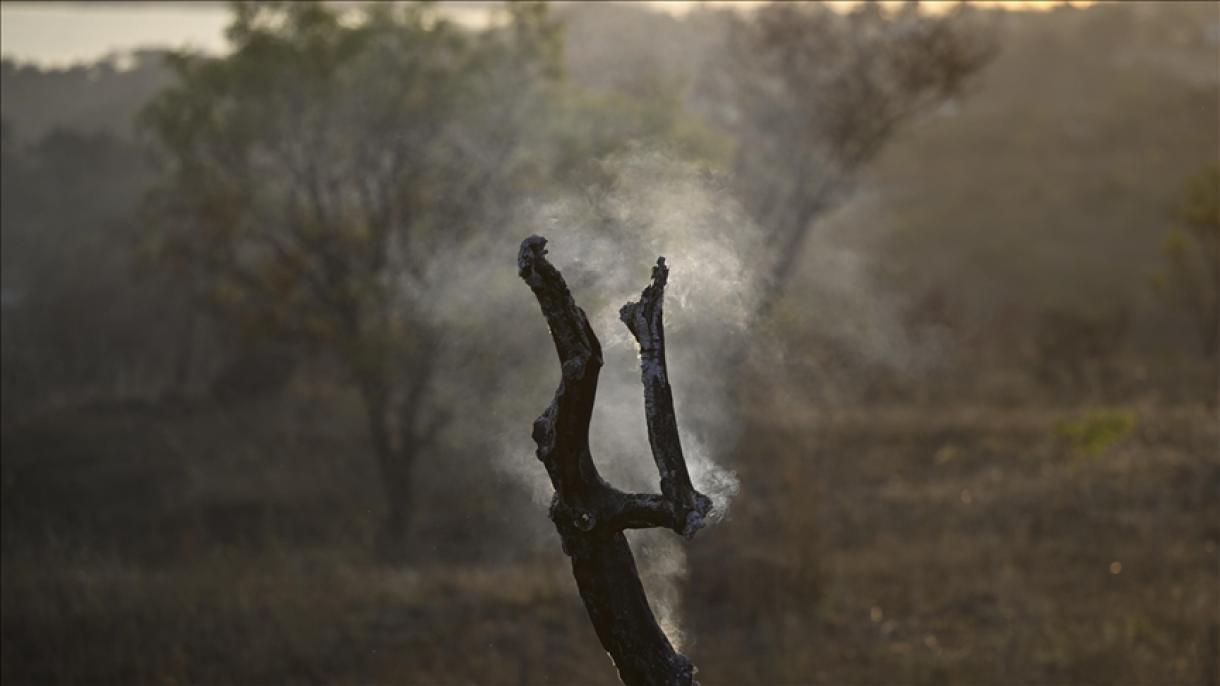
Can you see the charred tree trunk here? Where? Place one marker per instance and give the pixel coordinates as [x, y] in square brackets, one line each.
[589, 513]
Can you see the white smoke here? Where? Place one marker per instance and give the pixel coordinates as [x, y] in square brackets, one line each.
[605, 242]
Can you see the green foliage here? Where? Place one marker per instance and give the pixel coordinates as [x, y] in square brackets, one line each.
[315, 170]
[323, 179]
[1096, 431]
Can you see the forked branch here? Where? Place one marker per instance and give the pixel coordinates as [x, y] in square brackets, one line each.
[589, 513]
[644, 320]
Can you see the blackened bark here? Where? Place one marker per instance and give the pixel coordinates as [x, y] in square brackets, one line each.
[591, 515]
[644, 320]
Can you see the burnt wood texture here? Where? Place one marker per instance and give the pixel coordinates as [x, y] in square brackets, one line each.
[590, 514]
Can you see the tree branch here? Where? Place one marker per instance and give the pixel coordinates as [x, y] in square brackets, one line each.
[643, 319]
[562, 432]
[591, 515]
[642, 511]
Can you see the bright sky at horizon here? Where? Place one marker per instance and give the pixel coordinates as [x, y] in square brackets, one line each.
[62, 34]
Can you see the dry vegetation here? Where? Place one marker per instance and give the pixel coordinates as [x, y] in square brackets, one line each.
[977, 448]
[871, 543]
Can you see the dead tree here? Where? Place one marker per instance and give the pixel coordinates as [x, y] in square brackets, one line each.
[589, 513]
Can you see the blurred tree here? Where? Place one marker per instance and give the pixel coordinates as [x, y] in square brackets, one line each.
[77, 323]
[817, 93]
[1192, 276]
[96, 97]
[315, 172]
[588, 127]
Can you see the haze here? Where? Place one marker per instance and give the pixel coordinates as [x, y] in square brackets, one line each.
[61, 34]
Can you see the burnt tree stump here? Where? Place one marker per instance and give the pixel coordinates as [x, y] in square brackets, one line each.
[590, 514]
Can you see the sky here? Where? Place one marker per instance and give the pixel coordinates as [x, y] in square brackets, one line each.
[60, 34]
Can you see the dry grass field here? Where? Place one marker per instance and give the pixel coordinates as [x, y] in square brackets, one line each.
[883, 543]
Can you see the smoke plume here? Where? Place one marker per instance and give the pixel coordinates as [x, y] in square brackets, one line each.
[605, 241]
